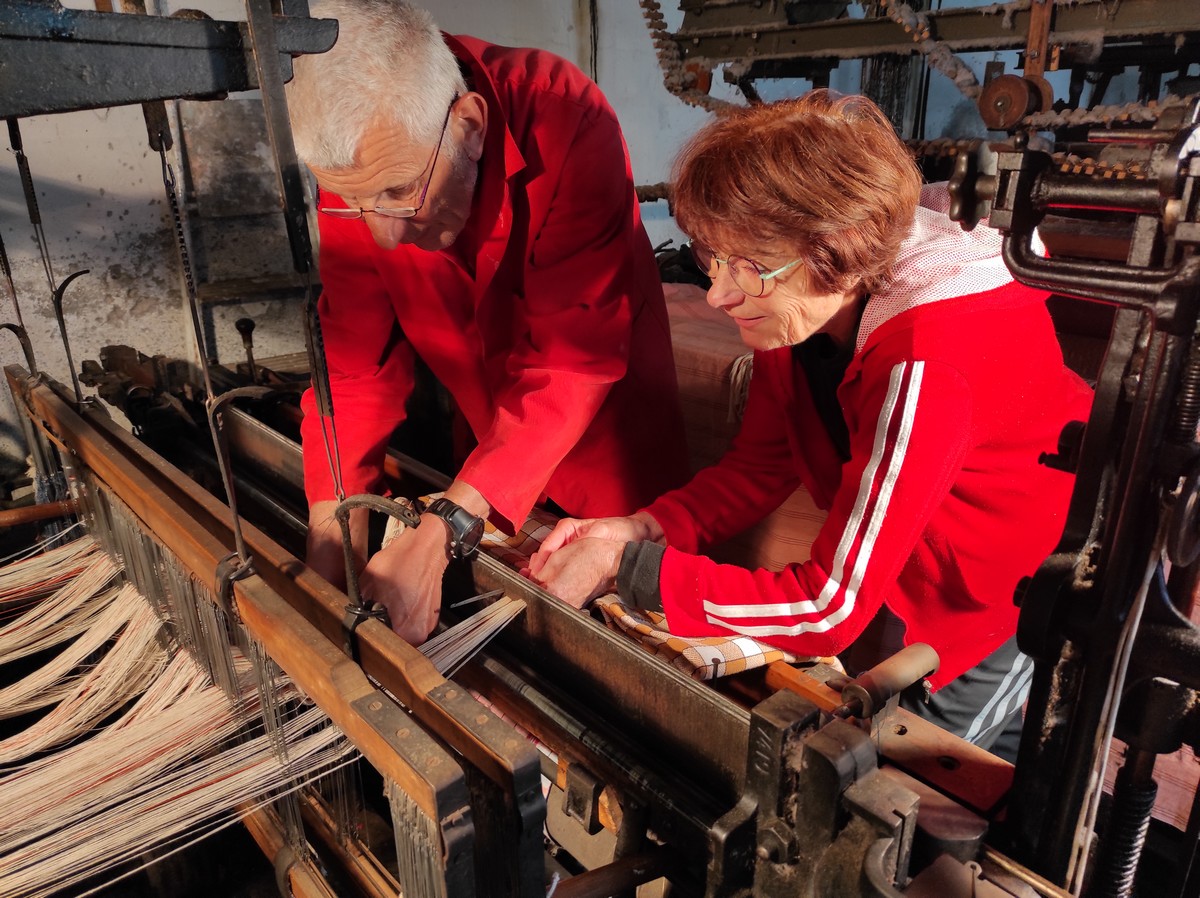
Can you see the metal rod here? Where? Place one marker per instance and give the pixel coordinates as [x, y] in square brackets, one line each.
[57, 300]
[15, 517]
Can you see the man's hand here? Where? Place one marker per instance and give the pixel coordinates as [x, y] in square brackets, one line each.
[581, 570]
[406, 579]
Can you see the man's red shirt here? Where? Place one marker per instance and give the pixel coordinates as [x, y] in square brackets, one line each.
[545, 319]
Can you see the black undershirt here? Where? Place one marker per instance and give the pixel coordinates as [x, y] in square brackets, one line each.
[824, 364]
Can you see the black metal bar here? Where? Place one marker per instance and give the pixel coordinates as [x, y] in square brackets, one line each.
[114, 59]
[291, 186]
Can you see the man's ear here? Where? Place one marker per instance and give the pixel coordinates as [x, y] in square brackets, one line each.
[470, 116]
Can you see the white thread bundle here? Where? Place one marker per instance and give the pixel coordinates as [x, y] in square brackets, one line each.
[455, 646]
[170, 769]
[36, 576]
[138, 783]
[69, 611]
[87, 695]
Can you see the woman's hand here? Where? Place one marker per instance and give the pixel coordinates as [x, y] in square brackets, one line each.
[579, 560]
[636, 527]
[579, 571]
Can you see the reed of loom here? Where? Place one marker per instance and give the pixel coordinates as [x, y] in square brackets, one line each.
[432, 803]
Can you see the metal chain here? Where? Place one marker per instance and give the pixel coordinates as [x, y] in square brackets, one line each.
[916, 23]
[1068, 163]
[185, 260]
[1130, 113]
[1071, 164]
[676, 78]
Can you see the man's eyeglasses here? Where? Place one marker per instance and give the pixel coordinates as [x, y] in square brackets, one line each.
[396, 211]
[750, 277]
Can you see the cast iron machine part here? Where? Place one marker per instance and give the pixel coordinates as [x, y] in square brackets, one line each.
[1114, 651]
[818, 815]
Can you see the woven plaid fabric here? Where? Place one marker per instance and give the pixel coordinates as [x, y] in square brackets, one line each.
[516, 550]
[703, 658]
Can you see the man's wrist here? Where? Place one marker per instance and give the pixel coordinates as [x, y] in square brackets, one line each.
[463, 530]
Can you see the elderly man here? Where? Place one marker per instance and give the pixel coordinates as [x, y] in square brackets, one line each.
[477, 211]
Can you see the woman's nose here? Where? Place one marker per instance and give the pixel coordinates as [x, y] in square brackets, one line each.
[724, 293]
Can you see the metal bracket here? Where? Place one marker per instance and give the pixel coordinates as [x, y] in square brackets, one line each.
[355, 615]
[752, 828]
[57, 301]
[581, 799]
[26, 346]
[230, 569]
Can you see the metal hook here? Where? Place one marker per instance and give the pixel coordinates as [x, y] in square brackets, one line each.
[356, 610]
[59, 292]
[213, 406]
[26, 346]
[229, 569]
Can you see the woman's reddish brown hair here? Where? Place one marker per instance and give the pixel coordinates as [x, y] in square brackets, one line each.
[823, 175]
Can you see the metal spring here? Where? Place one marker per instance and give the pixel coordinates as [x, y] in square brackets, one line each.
[1127, 828]
[1187, 405]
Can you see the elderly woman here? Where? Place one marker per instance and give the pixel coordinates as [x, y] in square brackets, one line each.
[899, 373]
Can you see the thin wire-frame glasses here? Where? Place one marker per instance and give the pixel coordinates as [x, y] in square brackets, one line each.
[749, 276]
[396, 211]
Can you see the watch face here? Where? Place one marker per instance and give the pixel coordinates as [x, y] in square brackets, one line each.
[466, 530]
[473, 535]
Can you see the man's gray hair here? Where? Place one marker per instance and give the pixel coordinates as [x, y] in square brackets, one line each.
[389, 66]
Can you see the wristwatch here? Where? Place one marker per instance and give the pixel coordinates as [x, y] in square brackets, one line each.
[464, 529]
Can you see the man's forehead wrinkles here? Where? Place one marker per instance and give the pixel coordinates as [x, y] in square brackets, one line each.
[367, 182]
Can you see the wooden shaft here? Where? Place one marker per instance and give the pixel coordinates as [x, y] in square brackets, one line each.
[303, 879]
[15, 517]
[625, 873]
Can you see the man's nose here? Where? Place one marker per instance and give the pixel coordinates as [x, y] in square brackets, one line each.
[724, 293]
[389, 232]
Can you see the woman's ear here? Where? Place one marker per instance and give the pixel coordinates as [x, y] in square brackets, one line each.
[470, 116]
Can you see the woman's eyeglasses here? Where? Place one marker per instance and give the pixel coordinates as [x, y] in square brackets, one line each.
[750, 277]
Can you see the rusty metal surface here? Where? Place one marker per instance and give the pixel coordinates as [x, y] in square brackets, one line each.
[749, 30]
[89, 60]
